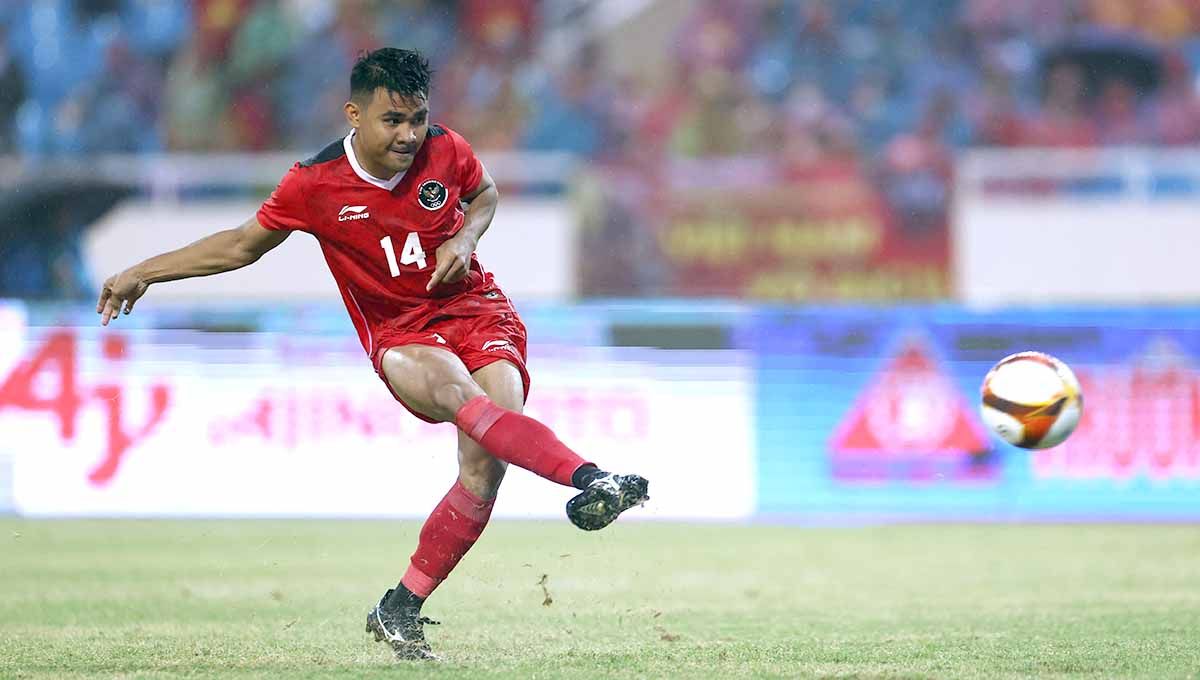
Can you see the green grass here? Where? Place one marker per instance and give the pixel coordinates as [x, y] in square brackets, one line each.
[259, 599]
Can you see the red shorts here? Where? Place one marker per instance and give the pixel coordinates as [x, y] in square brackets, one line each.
[477, 340]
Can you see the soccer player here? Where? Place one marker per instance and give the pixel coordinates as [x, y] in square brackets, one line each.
[398, 207]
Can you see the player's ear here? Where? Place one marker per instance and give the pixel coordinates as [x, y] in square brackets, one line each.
[353, 113]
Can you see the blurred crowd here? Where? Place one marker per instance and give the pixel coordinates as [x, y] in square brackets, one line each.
[893, 77]
[94, 76]
[895, 86]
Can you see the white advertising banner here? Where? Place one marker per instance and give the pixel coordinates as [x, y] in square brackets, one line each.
[1077, 226]
[182, 423]
[12, 344]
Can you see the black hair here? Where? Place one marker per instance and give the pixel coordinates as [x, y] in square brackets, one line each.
[404, 72]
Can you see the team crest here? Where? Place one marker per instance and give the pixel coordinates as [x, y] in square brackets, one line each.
[432, 194]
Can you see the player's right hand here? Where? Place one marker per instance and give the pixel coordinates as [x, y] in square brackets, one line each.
[120, 290]
[453, 260]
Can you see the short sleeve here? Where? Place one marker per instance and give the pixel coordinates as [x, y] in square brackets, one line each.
[468, 169]
[287, 208]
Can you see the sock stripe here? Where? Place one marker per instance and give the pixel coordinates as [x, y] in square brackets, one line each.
[463, 492]
[485, 422]
[420, 583]
[474, 507]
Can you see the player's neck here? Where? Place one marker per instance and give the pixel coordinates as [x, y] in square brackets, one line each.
[365, 163]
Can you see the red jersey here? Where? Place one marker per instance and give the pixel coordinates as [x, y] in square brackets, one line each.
[379, 236]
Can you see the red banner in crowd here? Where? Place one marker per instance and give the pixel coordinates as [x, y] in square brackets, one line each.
[754, 230]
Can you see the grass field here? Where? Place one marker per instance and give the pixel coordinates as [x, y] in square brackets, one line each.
[258, 599]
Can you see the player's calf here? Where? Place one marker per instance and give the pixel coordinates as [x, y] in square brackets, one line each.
[478, 471]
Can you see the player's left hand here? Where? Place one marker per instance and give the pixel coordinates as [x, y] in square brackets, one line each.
[453, 260]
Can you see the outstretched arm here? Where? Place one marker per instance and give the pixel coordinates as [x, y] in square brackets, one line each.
[454, 256]
[220, 252]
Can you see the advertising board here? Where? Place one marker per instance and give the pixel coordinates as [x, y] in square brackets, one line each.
[189, 423]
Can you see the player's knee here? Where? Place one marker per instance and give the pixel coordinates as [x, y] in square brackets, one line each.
[450, 397]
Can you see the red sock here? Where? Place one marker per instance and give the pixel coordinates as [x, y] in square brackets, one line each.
[517, 439]
[452, 528]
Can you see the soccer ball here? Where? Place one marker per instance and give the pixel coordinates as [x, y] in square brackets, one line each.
[1031, 400]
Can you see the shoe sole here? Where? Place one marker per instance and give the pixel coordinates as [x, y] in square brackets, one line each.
[596, 508]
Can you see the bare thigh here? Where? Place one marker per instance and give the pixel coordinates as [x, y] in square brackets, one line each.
[430, 380]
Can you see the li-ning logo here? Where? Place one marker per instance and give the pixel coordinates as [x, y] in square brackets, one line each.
[493, 345]
[353, 212]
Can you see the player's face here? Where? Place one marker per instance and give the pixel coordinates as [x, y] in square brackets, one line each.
[390, 130]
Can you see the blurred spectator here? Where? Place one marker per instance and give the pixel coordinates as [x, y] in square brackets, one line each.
[122, 105]
[1119, 116]
[1161, 19]
[498, 125]
[713, 36]
[216, 23]
[771, 67]
[946, 65]
[501, 28]
[570, 112]
[196, 100]
[917, 172]
[994, 109]
[1063, 119]
[709, 124]
[430, 26]
[821, 52]
[259, 49]
[1175, 114]
[12, 93]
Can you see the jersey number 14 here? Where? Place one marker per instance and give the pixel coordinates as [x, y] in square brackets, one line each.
[411, 253]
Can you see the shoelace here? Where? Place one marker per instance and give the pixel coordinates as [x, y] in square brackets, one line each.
[609, 482]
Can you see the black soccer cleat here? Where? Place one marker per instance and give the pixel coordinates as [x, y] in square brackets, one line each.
[403, 628]
[599, 504]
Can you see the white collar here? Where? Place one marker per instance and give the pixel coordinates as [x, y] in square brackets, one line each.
[365, 176]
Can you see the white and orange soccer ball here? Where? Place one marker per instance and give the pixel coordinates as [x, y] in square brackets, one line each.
[1031, 400]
